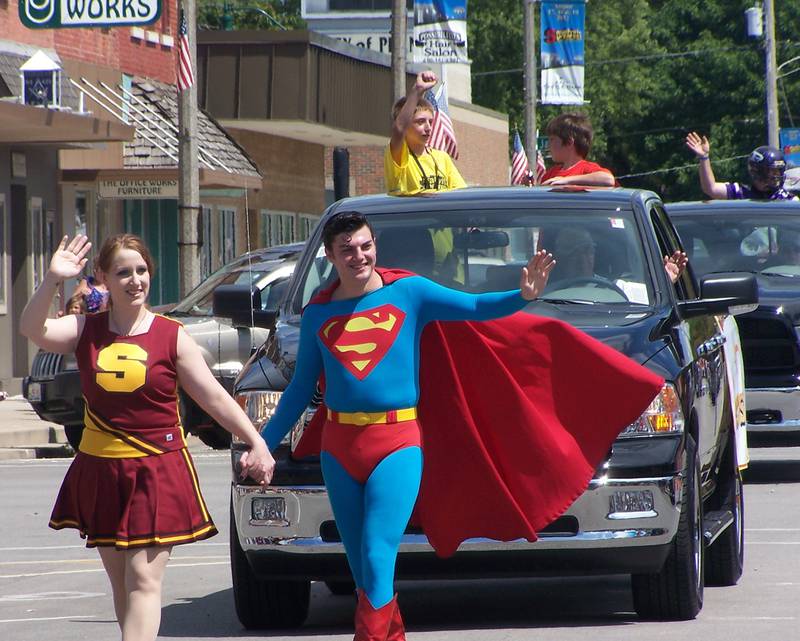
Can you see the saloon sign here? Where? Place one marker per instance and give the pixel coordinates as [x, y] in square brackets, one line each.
[53, 14]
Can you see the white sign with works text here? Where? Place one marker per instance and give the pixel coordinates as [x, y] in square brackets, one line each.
[136, 188]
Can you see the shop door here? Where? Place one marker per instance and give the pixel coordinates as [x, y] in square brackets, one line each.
[156, 221]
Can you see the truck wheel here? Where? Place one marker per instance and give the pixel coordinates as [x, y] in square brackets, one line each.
[676, 592]
[262, 605]
[73, 434]
[725, 556]
[341, 588]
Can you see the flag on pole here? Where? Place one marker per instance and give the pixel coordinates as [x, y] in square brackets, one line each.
[520, 169]
[442, 135]
[185, 72]
[540, 167]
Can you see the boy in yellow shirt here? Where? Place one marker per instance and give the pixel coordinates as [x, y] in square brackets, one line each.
[409, 164]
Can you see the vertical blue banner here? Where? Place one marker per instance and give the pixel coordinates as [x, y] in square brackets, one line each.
[790, 144]
[562, 47]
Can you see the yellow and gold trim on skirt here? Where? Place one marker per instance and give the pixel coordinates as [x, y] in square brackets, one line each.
[101, 439]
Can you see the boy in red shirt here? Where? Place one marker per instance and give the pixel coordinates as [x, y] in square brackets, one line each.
[570, 136]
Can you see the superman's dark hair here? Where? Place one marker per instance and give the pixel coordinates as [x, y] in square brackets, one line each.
[344, 222]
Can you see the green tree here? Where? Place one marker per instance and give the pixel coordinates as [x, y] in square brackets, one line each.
[244, 14]
[642, 97]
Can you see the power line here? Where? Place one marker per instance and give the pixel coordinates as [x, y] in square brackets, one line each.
[679, 168]
[613, 61]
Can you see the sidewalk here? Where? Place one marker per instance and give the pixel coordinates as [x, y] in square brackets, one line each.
[23, 435]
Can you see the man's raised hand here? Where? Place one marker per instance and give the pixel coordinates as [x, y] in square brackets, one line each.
[425, 80]
[535, 274]
[699, 146]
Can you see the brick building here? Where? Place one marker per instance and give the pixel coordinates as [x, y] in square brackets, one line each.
[73, 166]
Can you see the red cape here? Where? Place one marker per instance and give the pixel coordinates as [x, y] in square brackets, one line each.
[516, 414]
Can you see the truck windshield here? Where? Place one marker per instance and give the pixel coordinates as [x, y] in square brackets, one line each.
[599, 253]
[735, 241]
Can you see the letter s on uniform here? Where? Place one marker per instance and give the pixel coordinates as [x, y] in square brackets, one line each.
[124, 367]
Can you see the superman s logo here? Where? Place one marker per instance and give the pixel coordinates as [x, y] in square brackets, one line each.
[360, 341]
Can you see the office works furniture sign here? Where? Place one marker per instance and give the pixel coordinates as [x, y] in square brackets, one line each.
[137, 188]
[54, 14]
[562, 52]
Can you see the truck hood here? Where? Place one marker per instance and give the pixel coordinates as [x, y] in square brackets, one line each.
[630, 333]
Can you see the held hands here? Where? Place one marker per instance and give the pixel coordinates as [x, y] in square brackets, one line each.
[535, 274]
[699, 146]
[675, 264]
[258, 464]
[69, 258]
[425, 80]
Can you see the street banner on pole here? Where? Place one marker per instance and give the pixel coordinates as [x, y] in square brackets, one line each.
[790, 144]
[562, 57]
[54, 14]
[440, 31]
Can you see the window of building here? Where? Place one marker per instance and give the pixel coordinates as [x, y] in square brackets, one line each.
[3, 255]
[227, 234]
[81, 212]
[37, 249]
[307, 224]
[206, 249]
[276, 228]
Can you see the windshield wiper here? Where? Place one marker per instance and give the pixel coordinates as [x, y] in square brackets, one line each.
[566, 301]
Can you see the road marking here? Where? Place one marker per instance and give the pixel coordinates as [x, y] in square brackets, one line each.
[750, 618]
[74, 616]
[97, 560]
[50, 596]
[772, 542]
[83, 547]
[86, 571]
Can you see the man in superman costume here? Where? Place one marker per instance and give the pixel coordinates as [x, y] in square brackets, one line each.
[517, 411]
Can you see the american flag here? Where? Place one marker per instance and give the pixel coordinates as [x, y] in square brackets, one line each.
[520, 169]
[442, 135]
[540, 168]
[185, 73]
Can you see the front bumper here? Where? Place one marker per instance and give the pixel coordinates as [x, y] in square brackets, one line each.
[773, 410]
[587, 539]
[58, 399]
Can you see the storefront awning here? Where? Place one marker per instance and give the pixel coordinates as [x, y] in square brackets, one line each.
[24, 124]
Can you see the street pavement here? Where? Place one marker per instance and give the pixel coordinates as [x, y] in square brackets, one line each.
[52, 587]
[23, 435]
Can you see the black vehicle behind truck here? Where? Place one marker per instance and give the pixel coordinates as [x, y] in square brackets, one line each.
[763, 238]
[665, 507]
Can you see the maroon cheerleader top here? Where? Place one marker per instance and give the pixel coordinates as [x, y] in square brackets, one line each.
[132, 482]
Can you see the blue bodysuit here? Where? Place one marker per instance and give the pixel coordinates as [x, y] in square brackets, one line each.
[368, 348]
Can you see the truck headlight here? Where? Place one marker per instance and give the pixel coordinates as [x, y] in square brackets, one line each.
[663, 416]
[259, 406]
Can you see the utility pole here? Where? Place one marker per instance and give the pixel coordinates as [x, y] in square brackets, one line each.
[530, 81]
[772, 74]
[399, 45]
[189, 177]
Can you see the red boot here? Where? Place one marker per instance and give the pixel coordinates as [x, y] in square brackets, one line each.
[372, 624]
[397, 631]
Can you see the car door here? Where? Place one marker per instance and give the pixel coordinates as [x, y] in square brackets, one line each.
[704, 339]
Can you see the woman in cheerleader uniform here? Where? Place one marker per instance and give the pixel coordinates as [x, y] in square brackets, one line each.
[132, 490]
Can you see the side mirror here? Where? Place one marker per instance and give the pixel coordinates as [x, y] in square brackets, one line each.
[242, 304]
[723, 293]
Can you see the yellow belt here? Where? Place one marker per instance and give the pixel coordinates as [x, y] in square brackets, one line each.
[373, 418]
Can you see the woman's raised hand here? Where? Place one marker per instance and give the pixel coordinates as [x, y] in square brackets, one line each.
[69, 258]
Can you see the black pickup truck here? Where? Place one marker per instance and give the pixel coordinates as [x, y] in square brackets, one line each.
[665, 507]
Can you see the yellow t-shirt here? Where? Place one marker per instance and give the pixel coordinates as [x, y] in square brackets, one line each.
[411, 177]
